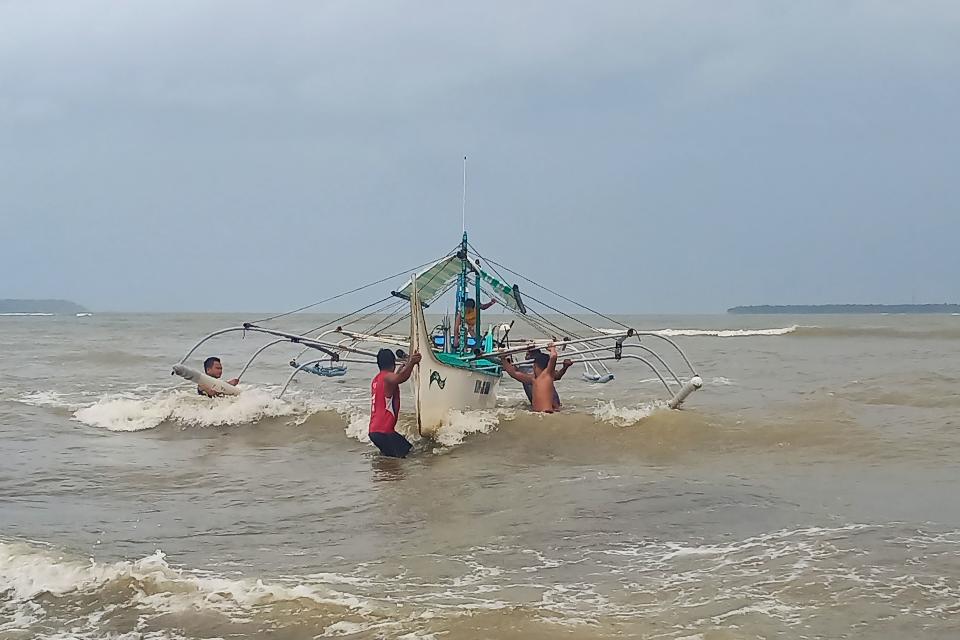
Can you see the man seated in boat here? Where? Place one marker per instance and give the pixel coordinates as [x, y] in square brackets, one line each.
[544, 393]
[470, 305]
[213, 368]
[528, 368]
[385, 403]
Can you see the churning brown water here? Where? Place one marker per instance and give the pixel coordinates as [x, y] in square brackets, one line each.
[809, 491]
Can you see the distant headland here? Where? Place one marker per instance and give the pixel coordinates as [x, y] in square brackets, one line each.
[846, 308]
[40, 306]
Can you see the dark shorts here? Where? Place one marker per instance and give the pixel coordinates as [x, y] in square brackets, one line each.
[393, 444]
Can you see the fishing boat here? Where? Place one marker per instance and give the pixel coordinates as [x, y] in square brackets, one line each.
[450, 378]
[462, 366]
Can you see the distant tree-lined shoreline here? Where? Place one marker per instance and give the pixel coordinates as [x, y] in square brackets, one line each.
[39, 306]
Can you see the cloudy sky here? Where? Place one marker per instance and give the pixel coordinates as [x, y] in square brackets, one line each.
[646, 156]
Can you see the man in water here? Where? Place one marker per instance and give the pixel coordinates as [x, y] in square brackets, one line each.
[544, 395]
[470, 306]
[214, 368]
[528, 368]
[385, 403]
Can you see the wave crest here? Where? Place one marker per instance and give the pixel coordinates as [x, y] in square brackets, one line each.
[126, 412]
[28, 573]
[727, 333]
[610, 413]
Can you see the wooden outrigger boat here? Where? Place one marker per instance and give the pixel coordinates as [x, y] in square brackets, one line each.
[461, 366]
[450, 378]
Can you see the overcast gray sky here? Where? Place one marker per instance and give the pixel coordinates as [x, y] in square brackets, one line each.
[639, 156]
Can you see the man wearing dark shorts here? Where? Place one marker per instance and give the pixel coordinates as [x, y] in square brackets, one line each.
[385, 404]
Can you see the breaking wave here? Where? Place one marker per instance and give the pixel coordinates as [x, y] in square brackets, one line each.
[128, 412]
[610, 413]
[460, 424]
[29, 574]
[22, 314]
[52, 399]
[727, 333]
[599, 430]
[716, 333]
[786, 576]
[815, 331]
[456, 428]
[143, 409]
[29, 314]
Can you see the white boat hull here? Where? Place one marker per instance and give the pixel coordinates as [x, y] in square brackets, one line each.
[440, 388]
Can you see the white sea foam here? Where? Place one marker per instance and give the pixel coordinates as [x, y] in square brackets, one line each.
[27, 572]
[344, 628]
[757, 574]
[610, 413]
[358, 425]
[717, 333]
[455, 428]
[23, 314]
[128, 412]
[727, 333]
[84, 315]
[53, 399]
[459, 424]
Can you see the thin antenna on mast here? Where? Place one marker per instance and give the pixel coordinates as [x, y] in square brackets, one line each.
[463, 203]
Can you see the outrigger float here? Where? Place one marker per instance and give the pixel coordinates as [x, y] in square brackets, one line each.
[458, 371]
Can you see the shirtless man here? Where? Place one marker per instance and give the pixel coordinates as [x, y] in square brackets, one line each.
[528, 368]
[542, 379]
[213, 368]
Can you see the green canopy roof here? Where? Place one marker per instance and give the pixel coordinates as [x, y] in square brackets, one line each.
[433, 281]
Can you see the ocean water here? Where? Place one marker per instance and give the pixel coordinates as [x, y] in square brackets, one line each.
[808, 491]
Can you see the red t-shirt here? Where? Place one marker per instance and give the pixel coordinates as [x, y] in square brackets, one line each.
[383, 409]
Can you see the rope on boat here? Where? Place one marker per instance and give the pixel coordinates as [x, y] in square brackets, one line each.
[543, 323]
[345, 293]
[548, 290]
[377, 325]
[562, 331]
[390, 312]
[364, 308]
[345, 316]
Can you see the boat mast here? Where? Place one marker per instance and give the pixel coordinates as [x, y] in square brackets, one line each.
[462, 279]
[463, 201]
[476, 301]
[462, 293]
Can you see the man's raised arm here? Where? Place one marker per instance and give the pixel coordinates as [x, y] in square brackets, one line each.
[513, 372]
[563, 369]
[552, 365]
[403, 374]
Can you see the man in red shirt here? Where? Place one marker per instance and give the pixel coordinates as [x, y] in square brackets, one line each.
[385, 403]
